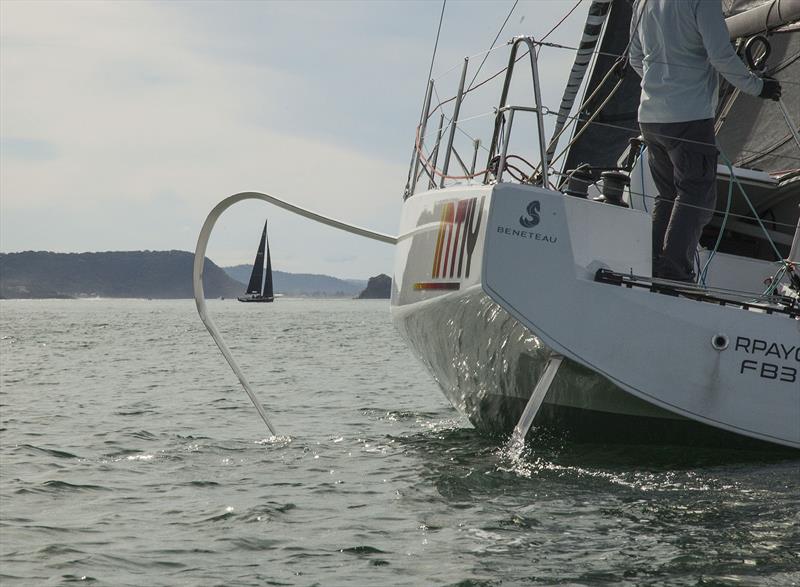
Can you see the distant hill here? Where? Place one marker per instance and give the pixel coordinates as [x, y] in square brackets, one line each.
[378, 288]
[128, 274]
[302, 284]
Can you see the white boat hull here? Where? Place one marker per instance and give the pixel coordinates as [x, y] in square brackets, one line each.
[490, 280]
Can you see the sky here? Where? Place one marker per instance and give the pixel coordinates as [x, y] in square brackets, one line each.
[122, 123]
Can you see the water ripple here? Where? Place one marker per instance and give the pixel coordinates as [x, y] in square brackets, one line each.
[132, 474]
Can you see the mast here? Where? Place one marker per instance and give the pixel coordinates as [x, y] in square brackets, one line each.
[268, 277]
[254, 287]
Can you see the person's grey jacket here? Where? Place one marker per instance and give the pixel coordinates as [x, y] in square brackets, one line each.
[676, 46]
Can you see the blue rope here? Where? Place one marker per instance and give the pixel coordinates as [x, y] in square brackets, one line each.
[641, 169]
[704, 272]
[752, 209]
[784, 265]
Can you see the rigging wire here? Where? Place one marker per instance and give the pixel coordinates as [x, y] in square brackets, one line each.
[411, 167]
[621, 62]
[491, 46]
[605, 54]
[643, 195]
[779, 67]
[563, 18]
[714, 211]
[619, 57]
[440, 75]
[574, 119]
[547, 111]
[436, 43]
[472, 88]
[618, 67]
[431, 169]
[629, 129]
[589, 121]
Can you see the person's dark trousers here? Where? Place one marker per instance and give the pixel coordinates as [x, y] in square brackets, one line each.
[683, 161]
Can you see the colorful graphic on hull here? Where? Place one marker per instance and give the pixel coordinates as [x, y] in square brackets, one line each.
[458, 235]
[459, 226]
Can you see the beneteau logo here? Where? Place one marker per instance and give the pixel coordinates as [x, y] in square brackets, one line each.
[533, 215]
[532, 219]
[458, 233]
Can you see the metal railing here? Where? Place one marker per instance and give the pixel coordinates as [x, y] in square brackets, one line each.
[502, 108]
[420, 164]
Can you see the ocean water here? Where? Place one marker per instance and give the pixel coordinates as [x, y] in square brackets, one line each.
[129, 455]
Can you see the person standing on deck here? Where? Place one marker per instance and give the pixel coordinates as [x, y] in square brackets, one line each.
[677, 47]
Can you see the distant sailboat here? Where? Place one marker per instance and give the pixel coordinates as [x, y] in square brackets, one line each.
[256, 292]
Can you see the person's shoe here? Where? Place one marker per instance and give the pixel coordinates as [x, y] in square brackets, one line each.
[663, 269]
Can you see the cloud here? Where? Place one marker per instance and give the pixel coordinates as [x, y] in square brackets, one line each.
[123, 123]
[26, 149]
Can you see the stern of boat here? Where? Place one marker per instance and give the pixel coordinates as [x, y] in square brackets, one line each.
[491, 280]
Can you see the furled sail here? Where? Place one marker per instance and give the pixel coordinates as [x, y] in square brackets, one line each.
[257, 276]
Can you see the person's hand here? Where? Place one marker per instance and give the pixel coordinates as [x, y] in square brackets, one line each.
[771, 90]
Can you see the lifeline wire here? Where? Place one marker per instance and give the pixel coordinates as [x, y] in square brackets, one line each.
[622, 63]
[412, 167]
[426, 164]
[574, 119]
[619, 57]
[775, 69]
[427, 167]
[497, 36]
[707, 209]
[199, 261]
[436, 43]
[603, 53]
[493, 76]
[629, 129]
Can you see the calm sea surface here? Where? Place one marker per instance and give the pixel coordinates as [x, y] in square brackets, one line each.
[130, 456]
